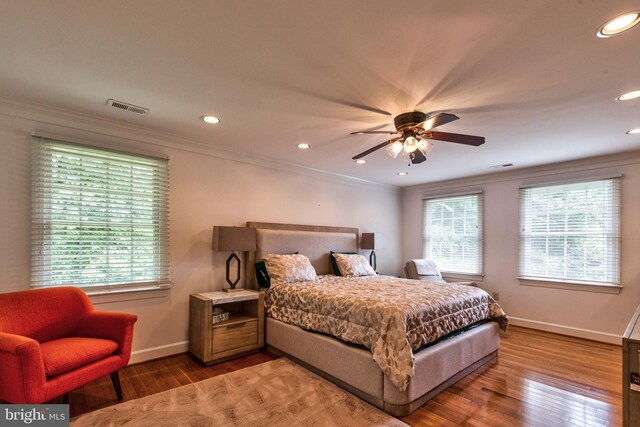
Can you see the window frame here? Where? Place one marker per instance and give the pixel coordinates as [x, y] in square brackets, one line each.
[573, 283]
[452, 274]
[41, 237]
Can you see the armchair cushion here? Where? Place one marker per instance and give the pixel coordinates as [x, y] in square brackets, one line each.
[65, 354]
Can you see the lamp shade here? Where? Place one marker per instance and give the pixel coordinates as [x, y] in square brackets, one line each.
[367, 241]
[234, 238]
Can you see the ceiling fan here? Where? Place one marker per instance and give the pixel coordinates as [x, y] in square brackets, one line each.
[415, 135]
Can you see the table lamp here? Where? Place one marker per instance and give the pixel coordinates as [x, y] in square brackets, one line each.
[368, 241]
[233, 239]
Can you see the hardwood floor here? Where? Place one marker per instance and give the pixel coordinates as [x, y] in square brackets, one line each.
[540, 379]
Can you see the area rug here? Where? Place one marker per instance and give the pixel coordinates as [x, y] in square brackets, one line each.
[275, 393]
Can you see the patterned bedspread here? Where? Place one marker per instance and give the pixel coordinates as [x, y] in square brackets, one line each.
[390, 316]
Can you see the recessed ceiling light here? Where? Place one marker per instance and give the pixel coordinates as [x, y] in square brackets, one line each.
[403, 173]
[629, 95]
[304, 146]
[210, 119]
[361, 161]
[634, 131]
[619, 24]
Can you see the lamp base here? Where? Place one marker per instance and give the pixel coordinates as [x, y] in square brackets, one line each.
[233, 290]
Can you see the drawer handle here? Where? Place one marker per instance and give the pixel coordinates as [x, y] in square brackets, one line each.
[236, 325]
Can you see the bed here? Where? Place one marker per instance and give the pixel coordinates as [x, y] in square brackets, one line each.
[359, 364]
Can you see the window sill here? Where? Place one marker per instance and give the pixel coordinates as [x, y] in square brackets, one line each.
[459, 277]
[571, 286]
[105, 296]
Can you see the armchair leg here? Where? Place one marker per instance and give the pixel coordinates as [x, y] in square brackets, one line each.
[115, 379]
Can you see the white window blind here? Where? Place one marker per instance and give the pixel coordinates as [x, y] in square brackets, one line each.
[100, 219]
[453, 235]
[571, 232]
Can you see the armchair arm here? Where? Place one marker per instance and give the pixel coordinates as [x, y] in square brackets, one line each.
[17, 344]
[21, 369]
[107, 325]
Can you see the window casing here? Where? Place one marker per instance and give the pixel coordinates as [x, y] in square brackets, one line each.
[453, 233]
[100, 219]
[570, 232]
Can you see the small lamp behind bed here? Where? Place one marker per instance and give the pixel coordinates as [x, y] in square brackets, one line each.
[233, 239]
[368, 241]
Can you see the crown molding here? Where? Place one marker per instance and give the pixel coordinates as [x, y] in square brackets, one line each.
[551, 170]
[59, 120]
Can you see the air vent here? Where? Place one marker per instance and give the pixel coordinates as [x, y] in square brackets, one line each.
[502, 166]
[127, 107]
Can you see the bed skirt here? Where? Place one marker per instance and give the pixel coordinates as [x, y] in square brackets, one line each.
[353, 368]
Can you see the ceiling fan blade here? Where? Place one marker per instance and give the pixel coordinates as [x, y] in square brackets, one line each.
[388, 132]
[438, 120]
[417, 157]
[377, 147]
[454, 137]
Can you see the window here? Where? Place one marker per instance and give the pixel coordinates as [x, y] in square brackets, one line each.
[453, 233]
[99, 219]
[571, 232]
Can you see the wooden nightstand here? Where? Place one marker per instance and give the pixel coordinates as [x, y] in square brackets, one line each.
[243, 333]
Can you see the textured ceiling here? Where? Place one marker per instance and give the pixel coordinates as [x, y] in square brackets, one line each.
[530, 76]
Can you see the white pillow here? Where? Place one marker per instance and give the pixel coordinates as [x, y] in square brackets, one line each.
[289, 268]
[353, 265]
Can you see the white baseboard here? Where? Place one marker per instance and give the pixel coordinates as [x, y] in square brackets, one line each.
[567, 330]
[152, 353]
[158, 352]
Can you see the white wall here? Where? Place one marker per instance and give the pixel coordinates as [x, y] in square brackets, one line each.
[592, 315]
[207, 188]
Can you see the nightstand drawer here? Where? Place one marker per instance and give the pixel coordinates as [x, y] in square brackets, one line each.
[230, 335]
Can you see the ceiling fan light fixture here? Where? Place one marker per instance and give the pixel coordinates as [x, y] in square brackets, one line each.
[361, 161]
[634, 131]
[619, 24]
[403, 173]
[410, 144]
[629, 95]
[425, 146]
[304, 146]
[394, 149]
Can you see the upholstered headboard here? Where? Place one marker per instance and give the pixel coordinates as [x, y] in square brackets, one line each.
[314, 241]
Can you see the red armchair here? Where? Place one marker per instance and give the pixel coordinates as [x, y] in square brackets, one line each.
[52, 341]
